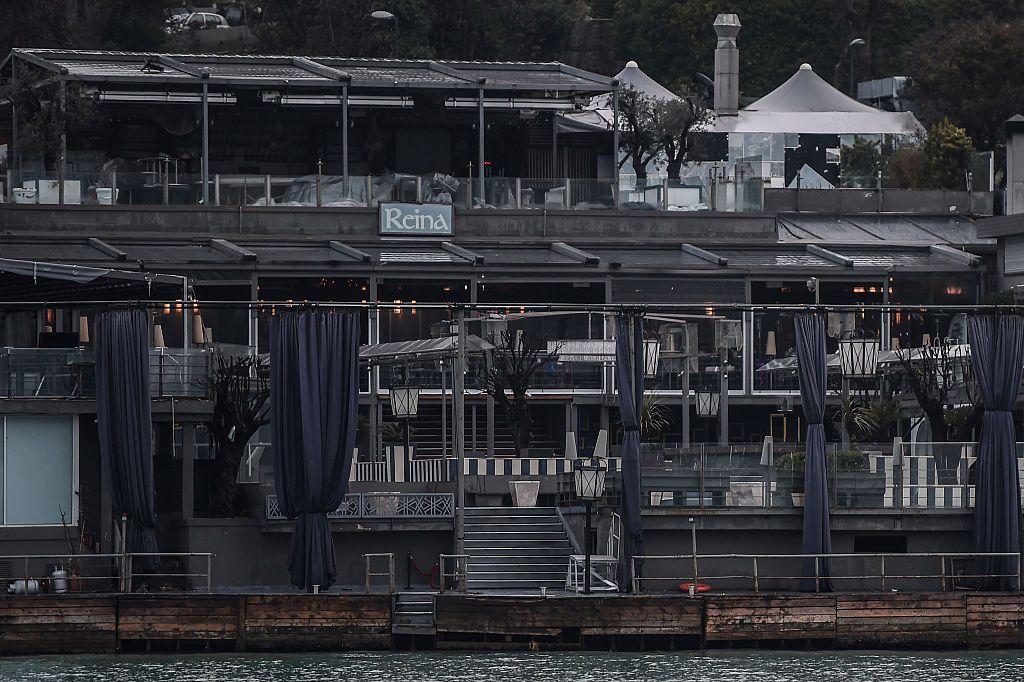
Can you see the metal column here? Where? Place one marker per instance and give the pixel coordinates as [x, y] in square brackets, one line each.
[206, 139]
[684, 379]
[62, 161]
[723, 402]
[480, 142]
[12, 154]
[554, 145]
[459, 432]
[615, 142]
[344, 137]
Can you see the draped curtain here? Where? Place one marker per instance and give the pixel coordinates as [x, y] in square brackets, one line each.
[314, 402]
[629, 367]
[811, 368]
[125, 425]
[997, 354]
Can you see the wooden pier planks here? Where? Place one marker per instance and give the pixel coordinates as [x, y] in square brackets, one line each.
[58, 624]
[774, 617]
[177, 617]
[556, 616]
[995, 619]
[303, 622]
[888, 620]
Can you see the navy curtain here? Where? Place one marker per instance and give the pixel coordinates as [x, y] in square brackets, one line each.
[629, 366]
[314, 363]
[811, 358]
[997, 354]
[125, 425]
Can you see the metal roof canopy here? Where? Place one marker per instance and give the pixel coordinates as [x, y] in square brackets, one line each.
[140, 68]
[420, 349]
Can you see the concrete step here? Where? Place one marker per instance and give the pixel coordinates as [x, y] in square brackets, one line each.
[554, 549]
[515, 511]
[476, 528]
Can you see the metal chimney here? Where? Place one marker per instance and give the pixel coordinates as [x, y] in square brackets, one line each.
[727, 65]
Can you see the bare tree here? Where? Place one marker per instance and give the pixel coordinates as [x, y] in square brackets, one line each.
[509, 374]
[675, 120]
[240, 389]
[944, 387]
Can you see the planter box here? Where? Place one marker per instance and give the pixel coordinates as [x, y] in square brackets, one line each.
[524, 493]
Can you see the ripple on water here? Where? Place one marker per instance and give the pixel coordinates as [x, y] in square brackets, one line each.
[749, 666]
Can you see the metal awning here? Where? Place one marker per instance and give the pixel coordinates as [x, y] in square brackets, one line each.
[420, 349]
[885, 357]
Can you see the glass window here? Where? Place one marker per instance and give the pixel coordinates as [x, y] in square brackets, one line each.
[38, 470]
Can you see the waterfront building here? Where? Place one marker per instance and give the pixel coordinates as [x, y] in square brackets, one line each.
[289, 210]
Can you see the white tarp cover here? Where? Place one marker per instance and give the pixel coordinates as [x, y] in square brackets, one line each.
[807, 104]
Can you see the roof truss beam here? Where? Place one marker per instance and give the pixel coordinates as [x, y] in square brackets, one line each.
[319, 69]
[703, 254]
[350, 251]
[461, 252]
[837, 258]
[194, 71]
[955, 254]
[107, 249]
[575, 254]
[232, 249]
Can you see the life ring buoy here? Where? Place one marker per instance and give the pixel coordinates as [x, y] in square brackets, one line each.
[700, 587]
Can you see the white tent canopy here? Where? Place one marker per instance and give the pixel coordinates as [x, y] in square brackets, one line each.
[599, 115]
[807, 104]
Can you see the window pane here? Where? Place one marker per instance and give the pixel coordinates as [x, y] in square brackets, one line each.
[40, 458]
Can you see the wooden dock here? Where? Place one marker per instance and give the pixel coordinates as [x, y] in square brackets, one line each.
[80, 623]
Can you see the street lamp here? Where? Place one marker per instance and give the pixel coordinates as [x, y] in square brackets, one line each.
[858, 359]
[405, 403]
[588, 477]
[384, 15]
[855, 44]
[707, 403]
[652, 351]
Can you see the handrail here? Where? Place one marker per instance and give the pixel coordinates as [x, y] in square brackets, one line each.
[460, 574]
[124, 562]
[389, 573]
[756, 576]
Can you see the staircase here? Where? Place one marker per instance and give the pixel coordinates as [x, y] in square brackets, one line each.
[516, 548]
[414, 613]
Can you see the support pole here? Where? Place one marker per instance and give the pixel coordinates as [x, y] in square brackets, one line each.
[459, 432]
[589, 549]
[344, 137]
[62, 161]
[684, 379]
[723, 402]
[554, 145]
[12, 154]
[615, 142]
[206, 139]
[480, 142]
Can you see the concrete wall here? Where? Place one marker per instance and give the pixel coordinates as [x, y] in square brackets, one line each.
[362, 222]
[789, 200]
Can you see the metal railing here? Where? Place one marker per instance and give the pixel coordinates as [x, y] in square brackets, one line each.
[71, 372]
[112, 572]
[370, 506]
[389, 573]
[459, 572]
[934, 566]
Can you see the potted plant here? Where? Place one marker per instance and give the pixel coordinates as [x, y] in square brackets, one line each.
[790, 476]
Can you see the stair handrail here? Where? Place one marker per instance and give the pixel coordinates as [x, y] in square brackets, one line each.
[576, 549]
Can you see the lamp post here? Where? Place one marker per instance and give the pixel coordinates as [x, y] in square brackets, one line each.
[405, 402]
[384, 15]
[858, 359]
[855, 44]
[588, 478]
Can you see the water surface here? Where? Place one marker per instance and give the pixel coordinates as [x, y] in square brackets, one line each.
[749, 666]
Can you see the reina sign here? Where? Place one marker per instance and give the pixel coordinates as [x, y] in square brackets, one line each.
[419, 220]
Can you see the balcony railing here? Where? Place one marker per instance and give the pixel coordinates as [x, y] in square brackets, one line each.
[71, 372]
[369, 506]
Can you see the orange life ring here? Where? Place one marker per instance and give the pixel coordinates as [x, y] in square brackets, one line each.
[700, 587]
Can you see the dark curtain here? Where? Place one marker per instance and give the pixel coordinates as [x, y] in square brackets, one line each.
[997, 353]
[811, 367]
[629, 367]
[314, 363]
[125, 425]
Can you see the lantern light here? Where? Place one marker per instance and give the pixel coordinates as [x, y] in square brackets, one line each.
[858, 357]
[405, 401]
[707, 403]
[652, 351]
[588, 477]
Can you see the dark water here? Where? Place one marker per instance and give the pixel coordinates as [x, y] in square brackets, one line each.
[753, 666]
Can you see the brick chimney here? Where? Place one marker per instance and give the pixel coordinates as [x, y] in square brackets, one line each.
[727, 65]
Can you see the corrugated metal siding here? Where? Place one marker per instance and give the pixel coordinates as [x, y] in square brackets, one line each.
[1013, 255]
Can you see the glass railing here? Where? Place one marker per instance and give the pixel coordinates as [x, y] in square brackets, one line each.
[71, 372]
